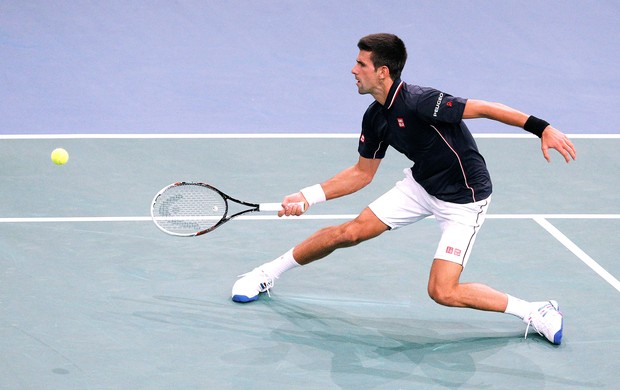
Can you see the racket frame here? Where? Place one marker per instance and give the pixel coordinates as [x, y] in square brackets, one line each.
[225, 218]
[252, 207]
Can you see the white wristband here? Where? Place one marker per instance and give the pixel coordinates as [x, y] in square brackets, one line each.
[314, 194]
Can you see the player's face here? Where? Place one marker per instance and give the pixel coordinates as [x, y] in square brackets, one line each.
[366, 75]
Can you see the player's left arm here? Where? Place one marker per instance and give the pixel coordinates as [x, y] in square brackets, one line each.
[551, 138]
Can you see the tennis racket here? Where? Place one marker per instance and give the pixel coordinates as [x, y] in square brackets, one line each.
[193, 209]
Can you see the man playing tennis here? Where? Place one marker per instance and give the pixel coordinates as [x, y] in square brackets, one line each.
[448, 180]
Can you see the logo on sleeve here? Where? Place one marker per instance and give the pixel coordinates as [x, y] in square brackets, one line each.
[439, 99]
[401, 122]
[362, 138]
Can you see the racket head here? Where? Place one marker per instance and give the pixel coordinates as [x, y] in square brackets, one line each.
[188, 209]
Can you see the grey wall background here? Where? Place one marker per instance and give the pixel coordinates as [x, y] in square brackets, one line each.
[284, 66]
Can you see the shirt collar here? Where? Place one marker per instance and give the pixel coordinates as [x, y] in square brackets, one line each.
[394, 91]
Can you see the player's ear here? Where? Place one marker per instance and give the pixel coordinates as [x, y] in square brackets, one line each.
[384, 72]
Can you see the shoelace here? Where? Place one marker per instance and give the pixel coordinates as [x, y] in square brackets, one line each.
[529, 320]
[527, 329]
[267, 286]
[264, 286]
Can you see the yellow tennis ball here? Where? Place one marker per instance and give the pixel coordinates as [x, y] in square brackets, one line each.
[60, 156]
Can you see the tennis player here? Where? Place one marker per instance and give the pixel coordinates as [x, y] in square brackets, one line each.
[449, 180]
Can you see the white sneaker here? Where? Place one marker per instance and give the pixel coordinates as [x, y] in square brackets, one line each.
[547, 320]
[251, 285]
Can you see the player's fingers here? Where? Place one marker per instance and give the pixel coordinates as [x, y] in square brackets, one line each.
[545, 151]
[286, 210]
[290, 209]
[299, 209]
[567, 149]
[571, 149]
[568, 154]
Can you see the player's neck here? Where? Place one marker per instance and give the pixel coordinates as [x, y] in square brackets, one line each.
[382, 91]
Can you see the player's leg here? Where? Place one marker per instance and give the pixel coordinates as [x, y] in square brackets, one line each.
[460, 225]
[445, 288]
[327, 240]
[315, 247]
[397, 207]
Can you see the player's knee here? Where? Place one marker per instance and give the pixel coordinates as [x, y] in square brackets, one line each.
[349, 234]
[442, 295]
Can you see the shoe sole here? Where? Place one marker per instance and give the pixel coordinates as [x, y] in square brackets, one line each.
[557, 337]
[243, 298]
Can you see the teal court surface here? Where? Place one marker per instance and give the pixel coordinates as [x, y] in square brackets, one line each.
[93, 295]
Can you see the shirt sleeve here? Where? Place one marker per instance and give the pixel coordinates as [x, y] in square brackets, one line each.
[436, 106]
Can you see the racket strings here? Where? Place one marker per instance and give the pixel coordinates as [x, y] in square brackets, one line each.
[189, 209]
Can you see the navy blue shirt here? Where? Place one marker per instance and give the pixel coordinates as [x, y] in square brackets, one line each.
[426, 125]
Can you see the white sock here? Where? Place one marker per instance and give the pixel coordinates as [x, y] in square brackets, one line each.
[280, 265]
[518, 307]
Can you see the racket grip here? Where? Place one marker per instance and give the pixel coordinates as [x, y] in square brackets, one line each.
[277, 206]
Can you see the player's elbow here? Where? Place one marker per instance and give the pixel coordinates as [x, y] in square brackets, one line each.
[478, 109]
[364, 177]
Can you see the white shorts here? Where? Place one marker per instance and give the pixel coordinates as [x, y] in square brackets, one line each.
[408, 202]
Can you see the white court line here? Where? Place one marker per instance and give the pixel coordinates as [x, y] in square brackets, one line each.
[148, 219]
[583, 256]
[265, 136]
[305, 217]
[541, 219]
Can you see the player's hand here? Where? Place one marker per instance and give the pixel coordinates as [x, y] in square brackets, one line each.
[552, 138]
[291, 206]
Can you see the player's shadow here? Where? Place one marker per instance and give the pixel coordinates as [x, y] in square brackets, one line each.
[374, 350]
[417, 352]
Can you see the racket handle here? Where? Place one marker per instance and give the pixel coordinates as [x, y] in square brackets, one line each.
[278, 206]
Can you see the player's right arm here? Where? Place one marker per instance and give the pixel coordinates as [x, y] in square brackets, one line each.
[345, 182]
[351, 179]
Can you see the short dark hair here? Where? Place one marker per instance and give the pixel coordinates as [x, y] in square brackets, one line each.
[387, 50]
